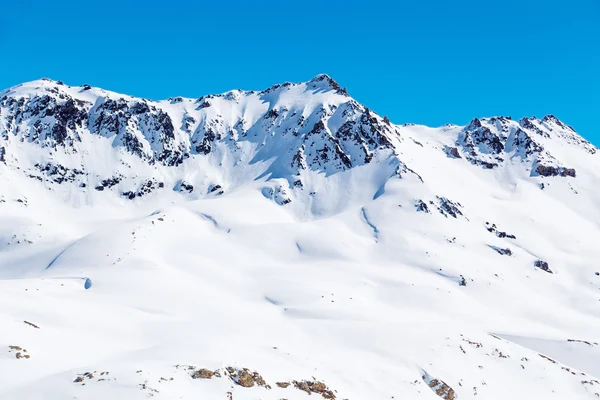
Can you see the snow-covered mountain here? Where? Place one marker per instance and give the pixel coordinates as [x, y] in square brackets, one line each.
[158, 248]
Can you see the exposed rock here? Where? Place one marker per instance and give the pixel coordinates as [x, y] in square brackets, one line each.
[493, 229]
[203, 373]
[216, 189]
[441, 388]
[108, 183]
[448, 207]
[549, 170]
[31, 324]
[19, 351]
[246, 378]
[146, 188]
[452, 152]
[314, 387]
[543, 265]
[501, 251]
[58, 173]
[421, 206]
[187, 187]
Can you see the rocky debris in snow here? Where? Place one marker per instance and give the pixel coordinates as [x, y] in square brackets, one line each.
[31, 324]
[144, 386]
[582, 341]
[246, 378]
[543, 265]
[463, 281]
[314, 387]
[2, 154]
[58, 173]
[493, 229]
[19, 351]
[102, 376]
[501, 251]
[21, 239]
[108, 183]
[441, 388]
[283, 385]
[548, 358]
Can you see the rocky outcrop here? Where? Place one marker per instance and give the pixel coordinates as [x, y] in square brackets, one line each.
[549, 170]
[543, 265]
[501, 251]
[439, 387]
[490, 142]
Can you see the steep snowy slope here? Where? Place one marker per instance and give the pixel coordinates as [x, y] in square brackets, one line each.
[156, 249]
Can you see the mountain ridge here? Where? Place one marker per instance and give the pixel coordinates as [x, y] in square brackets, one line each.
[293, 127]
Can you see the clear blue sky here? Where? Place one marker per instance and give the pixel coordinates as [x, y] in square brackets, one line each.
[430, 62]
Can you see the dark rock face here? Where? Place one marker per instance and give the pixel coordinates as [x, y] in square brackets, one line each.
[421, 206]
[448, 207]
[216, 189]
[452, 152]
[146, 188]
[186, 187]
[543, 265]
[2, 154]
[482, 146]
[547, 170]
[493, 229]
[143, 128]
[51, 121]
[134, 122]
[108, 183]
[58, 173]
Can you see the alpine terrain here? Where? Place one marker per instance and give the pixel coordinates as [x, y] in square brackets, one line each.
[292, 244]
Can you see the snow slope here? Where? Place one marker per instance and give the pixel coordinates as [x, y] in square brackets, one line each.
[296, 233]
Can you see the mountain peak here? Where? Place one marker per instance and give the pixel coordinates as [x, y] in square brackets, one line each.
[327, 82]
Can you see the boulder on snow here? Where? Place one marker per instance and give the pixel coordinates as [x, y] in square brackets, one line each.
[543, 265]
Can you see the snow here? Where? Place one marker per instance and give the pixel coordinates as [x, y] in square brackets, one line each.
[338, 279]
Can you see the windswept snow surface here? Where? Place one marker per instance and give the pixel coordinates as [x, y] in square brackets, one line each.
[295, 233]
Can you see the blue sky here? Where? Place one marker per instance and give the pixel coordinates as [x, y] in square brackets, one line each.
[429, 62]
